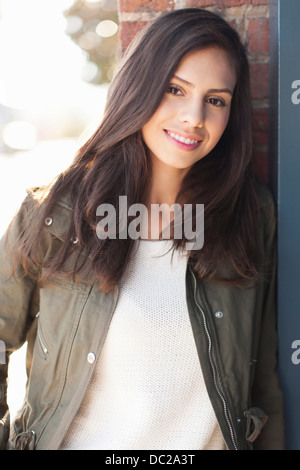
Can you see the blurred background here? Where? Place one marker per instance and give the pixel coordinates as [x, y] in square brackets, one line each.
[56, 59]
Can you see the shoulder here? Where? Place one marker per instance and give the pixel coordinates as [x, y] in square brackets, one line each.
[56, 216]
[38, 196]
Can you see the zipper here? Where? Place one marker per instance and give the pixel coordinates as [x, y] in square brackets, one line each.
[42, 344]
[221, 395]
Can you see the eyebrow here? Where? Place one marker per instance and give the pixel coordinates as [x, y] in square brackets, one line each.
[212, 90]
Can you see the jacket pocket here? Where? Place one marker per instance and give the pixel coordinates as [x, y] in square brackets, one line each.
[256, 419]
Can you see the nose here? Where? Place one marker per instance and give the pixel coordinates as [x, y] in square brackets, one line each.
[193, 114]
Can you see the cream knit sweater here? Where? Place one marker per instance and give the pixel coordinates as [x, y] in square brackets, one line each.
[148, 391]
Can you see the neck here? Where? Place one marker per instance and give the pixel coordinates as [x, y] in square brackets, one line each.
[165, 184]
[164, 187]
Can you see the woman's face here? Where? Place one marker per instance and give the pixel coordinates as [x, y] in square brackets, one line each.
[194, 111]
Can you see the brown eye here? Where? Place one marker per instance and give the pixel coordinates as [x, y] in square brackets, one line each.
[217, 102]
[173, 90]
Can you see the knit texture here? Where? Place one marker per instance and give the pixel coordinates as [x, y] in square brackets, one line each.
[147, 391]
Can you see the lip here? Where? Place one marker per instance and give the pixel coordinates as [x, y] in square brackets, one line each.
[182, 145]
[184, 134]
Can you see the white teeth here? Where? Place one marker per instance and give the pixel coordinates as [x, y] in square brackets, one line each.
[182, 139]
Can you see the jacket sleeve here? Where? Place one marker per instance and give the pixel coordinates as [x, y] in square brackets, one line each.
[266, 392]
[18, 307]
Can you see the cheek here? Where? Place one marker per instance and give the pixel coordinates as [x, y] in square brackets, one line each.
[166, 111]
[150, 134]
[152, 130]
[147, 129]
[151, 125]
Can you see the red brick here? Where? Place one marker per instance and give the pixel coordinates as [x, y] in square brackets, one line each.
[259, 80]
[144, 5]
[261, 138]
[202, 3]
[127, 31]
[259, 35]
[260, 119]
[224, 3]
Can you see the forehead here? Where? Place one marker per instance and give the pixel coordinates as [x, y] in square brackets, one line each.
[205, 65]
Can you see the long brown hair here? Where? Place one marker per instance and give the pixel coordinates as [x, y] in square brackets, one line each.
[114, 161]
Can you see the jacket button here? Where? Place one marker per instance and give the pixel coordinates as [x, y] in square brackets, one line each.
[91, 357]
[219, 314]
[48, 220]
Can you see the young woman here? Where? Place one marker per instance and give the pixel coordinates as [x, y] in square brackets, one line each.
[136, 341]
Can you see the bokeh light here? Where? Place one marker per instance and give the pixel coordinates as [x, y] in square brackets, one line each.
[74, 24]
[19, 135]
[106, 28]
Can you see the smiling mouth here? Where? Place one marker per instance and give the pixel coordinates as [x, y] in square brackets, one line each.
[187, 143]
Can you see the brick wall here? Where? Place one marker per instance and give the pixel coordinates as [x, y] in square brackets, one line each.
[251, 19]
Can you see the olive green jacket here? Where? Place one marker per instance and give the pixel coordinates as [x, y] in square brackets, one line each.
[66, 323]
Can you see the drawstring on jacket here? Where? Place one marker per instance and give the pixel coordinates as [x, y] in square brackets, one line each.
[25, 441]
[256, 419]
